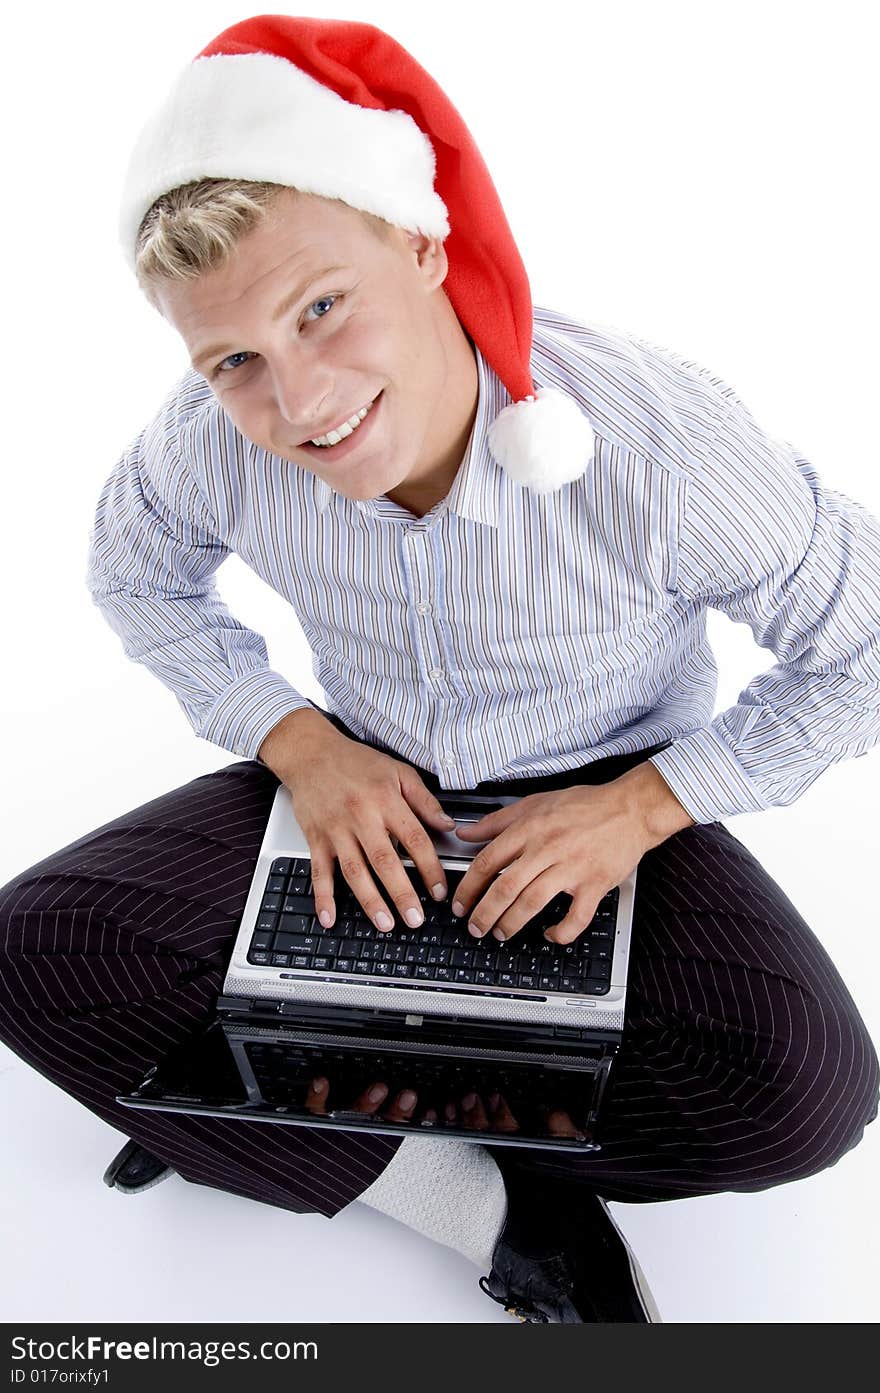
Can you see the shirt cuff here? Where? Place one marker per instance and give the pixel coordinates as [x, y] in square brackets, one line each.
[706, 777]
[247, 710]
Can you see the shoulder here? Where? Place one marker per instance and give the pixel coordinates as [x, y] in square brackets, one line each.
[188, 413]
[639, 396]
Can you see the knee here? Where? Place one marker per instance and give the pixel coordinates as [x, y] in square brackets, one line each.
[822, 1093]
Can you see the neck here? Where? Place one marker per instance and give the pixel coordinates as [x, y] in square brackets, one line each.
[420, 496]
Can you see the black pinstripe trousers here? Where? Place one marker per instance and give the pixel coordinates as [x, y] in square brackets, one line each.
[744, 1063]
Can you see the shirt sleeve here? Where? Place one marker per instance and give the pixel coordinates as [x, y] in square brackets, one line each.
[765, 542]
[153, 550]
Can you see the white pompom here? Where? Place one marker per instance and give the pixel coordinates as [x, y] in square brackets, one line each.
[543, 442]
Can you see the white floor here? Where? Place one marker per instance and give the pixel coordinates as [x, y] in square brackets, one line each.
[78, 1251]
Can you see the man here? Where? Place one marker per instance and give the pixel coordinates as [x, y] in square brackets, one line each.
[500, 530]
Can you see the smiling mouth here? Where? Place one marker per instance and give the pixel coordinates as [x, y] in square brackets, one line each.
[342, 431]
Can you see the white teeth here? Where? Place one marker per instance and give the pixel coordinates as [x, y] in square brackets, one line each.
[334, 436]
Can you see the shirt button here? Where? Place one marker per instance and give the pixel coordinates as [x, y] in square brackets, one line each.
[448, 759]
[423, 609]
[436, 672]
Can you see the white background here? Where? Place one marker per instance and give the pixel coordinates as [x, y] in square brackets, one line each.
[696, 173]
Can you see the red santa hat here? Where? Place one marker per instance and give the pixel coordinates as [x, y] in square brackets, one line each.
[340, 109]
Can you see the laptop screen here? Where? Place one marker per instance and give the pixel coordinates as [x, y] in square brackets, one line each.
[266, 1073]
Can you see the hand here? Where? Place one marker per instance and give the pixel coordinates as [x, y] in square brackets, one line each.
[582, 841]
[495, 1116]
[349, 800]
[400, 1110]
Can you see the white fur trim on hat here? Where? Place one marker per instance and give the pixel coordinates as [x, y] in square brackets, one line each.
[257, 116]
[542, 442]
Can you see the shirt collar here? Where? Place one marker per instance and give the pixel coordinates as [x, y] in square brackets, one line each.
[477, 489]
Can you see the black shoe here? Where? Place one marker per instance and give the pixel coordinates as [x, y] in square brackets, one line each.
[560, 1258]
[135, 1169]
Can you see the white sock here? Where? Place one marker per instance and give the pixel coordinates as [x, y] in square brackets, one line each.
[448, 1190]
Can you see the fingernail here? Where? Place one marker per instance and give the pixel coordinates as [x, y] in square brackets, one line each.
[407, 1098]
[477, 933]
[457, 908]
[414, 917]
[469, 1101]
[438, 891]
[450, 821]
[324, 917]
[376, 1092]
[384, 921]
[494, 1099]
[498, 933]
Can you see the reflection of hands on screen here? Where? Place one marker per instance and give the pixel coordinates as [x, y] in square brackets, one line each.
[368, 1102]
[495, 1116]
[470, 1113]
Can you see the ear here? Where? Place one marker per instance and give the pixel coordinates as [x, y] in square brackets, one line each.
[430, 256]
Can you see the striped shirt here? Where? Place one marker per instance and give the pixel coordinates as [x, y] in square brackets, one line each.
[507, 633]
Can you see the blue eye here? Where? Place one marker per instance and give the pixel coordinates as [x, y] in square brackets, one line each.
[324, 300]
[242, 354]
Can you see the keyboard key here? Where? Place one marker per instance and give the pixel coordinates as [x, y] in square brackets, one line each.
[267, 922]
[282, 866]
[281, 960]
[259, 958]
[262, 942]
[275, 885]
[286, 943]
[295, 923]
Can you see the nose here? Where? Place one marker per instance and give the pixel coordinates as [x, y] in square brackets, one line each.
[301, 389]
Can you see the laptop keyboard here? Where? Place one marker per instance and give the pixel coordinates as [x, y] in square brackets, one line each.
[439, 952]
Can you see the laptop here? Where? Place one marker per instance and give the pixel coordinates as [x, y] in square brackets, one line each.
[527, 1027]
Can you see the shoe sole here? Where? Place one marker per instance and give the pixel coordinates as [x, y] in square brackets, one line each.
[141, 1185]
[640, 1282]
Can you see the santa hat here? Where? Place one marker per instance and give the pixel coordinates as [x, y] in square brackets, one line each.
[340, 109]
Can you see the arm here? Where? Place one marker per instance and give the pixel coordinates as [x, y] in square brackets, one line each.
[763, 541]
[153, 549]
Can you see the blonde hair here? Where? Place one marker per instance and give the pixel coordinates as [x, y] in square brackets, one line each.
[196, 227]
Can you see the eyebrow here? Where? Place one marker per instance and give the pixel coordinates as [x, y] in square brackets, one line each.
[281, 309]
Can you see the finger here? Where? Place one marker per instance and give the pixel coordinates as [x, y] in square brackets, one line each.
[474, 1113]
[579, 917]
[527, 896]
[384, 857]
[401, 1109]
[559, 1124]
[503, 1119]
[423, 852]
[491, 824]
[422, 800]
[322, 884]
[316, 1095]
[371, 1098]
[485, 891]
[387, 864]
[450, 1113]
[430, 1115]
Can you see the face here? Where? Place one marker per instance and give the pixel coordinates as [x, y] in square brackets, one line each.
[292, 348]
